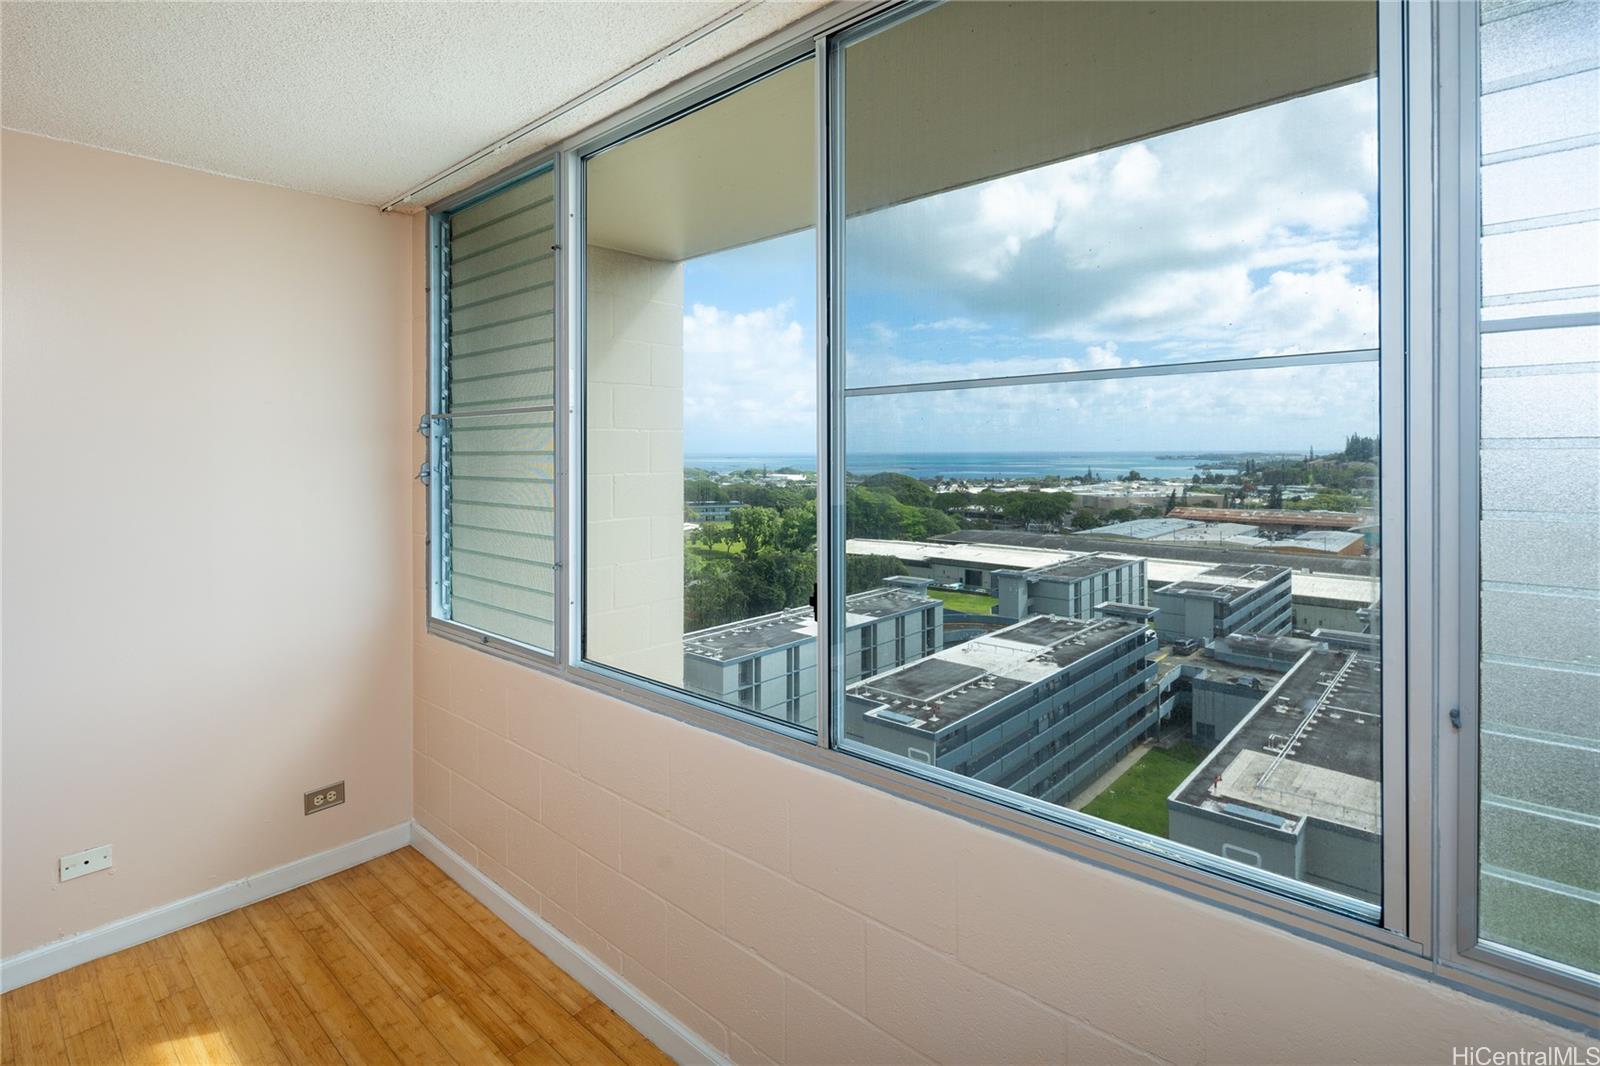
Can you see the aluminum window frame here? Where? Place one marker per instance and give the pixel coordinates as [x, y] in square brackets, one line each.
[1415, 936]
[1461, 329]
[1393, 913]
[435, 419]
[721, 85]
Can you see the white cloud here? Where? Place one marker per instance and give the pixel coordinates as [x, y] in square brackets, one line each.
[959, 324]
[749, 378]
[1253, 232]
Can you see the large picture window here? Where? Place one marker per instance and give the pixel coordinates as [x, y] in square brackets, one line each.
[1111, 391]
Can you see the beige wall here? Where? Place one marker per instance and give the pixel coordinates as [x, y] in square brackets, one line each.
[205, 531]
[634, 387]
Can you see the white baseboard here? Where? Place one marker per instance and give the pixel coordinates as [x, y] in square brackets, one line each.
[665, 1031]
[38, 963]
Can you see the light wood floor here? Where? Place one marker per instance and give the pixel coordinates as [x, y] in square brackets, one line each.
[390, 962]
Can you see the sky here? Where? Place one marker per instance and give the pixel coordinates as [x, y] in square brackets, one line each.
[1249, 235]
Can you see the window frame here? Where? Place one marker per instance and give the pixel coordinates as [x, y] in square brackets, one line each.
[1463, 327]
[1426, 788]
[1394, 913]
[435, 417]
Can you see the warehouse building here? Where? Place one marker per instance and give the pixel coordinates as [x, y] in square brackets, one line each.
[1225, 599]
[1071, 588]
[1294, 787]
[769, 664]
[1042, 707]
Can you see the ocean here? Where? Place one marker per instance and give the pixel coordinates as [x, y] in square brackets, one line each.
[992, 465]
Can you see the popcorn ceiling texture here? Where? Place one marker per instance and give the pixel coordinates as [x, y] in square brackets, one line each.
[355, 101]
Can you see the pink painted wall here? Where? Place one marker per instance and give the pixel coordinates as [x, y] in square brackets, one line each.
[789, 915]
[207, 470]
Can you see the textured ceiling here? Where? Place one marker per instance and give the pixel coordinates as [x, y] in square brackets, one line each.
[358, 101]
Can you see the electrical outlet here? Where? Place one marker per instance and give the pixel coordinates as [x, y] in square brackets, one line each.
[85, 862]
[322, 798]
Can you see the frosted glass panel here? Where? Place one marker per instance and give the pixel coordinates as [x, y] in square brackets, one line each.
[1540, 112]
[1539, 538]
[1552, 38]
[501, 514]
[1541, 260]
[497, 447]
[1557, 183]
[1577, 344]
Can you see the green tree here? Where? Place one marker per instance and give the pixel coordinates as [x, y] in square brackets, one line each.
[757, 527]
[908, 490]
[797, 528]
[862, 572]
[936, 523]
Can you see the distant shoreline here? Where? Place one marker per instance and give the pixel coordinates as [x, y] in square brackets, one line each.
[1002, 466]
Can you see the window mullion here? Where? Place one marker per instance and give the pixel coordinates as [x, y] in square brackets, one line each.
[830, 394]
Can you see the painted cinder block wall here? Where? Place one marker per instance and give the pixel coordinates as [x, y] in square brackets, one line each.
[634, 422]
[789, 915]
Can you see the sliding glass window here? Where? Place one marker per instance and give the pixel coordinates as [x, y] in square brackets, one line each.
[493, 414]
[699, 414]
[1538, 418]
[1111, 414]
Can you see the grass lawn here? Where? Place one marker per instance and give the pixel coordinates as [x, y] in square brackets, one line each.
[966, 602]
[712, 551]
[1138, 799]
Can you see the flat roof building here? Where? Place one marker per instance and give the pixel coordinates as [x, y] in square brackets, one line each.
[1294, 787]
[769, 664]
[1225, 599]
[1237, 671]
[1321, 599]
[1071, 588]
[1041, 707]
[1231, 529]
[1270, 517]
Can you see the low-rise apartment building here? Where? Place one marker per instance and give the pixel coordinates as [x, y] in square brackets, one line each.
[1042, 707]
[1226, 599]
[1072, 588]
[769, 664]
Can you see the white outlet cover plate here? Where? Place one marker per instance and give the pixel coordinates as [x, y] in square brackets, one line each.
[85, 862]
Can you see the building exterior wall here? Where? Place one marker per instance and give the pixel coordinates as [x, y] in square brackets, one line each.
[787, 674]
[1024, 592]
[1216, 707]
[1187, 616]
[1311, 615]
[1237, 839]
[634, 414]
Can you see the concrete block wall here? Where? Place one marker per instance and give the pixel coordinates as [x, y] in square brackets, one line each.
[634, 550]
[789, 915]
